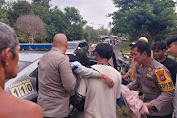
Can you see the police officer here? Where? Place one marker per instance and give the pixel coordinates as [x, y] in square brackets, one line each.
[154, 81]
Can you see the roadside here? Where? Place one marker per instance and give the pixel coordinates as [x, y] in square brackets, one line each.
[124, 46]
[123, 112]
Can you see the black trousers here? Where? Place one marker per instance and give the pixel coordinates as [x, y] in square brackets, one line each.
[167, 116]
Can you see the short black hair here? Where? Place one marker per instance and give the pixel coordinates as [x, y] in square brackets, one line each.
[82, 57]
[104, 50]
[171, 40]
[159, 46]
[142, 46]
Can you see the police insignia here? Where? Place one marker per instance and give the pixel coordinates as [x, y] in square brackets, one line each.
[148, 75]
[149, 69]
[164, 81]
[161, 75]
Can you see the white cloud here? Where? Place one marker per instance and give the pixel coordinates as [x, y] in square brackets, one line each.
[93, 11]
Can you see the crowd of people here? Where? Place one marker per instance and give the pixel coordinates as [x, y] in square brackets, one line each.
[93, 90]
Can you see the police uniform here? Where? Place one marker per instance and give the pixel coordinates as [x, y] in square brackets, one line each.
[155, 83]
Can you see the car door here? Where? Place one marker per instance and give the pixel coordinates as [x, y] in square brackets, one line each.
[24, 85]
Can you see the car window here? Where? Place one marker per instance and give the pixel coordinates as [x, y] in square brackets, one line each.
[22, 65]
[34, 73]
[72, 45]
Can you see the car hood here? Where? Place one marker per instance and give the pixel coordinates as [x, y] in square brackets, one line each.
[70, 51]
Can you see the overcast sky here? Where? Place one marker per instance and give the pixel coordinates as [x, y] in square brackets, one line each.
[93, 11]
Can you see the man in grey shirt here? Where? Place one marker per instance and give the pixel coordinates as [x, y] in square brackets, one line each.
[56, 80]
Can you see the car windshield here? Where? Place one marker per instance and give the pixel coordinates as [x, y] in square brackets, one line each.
[72, 45]
[22, 65]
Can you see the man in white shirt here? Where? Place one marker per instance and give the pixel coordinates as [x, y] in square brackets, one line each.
[172, 49]
[100, 100]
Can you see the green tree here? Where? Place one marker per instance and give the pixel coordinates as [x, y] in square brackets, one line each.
[44, 3]
[87, 36]
[151, 18]
[102, 31]
[73, 15]
[92, 32]
[69, 22]
[75, 23]
[58, 22]
[75, 32]
[3, 12]
[18, 9]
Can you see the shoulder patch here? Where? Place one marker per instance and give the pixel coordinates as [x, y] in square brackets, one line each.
[164, 81]
[75, 67]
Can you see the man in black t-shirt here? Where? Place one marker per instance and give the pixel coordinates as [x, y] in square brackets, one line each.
[159, 50]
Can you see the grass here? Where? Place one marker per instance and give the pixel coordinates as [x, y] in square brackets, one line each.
[123, 112]
[169, 56]
[125, 46]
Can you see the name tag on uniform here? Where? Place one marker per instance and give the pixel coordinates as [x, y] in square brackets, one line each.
[148, 75]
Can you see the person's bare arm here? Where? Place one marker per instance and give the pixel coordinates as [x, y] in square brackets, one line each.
[108, 80]
[38, 113]
[90, 72]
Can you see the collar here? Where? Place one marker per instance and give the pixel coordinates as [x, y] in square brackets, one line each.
[151, 65]
[103, 64]
[57, 49]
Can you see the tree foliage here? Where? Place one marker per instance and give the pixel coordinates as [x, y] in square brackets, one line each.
[91, 34]
[69, 21]
[3, 12]
[75, 23]
[73, 15]
[151, 18]
[31, 27]
[18, 9]
[44, 3]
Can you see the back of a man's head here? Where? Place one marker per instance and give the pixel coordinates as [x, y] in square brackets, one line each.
[81, 56]
[171, 40]
[159, 46]
[8, 38]
[104, 50]
[59, 40]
